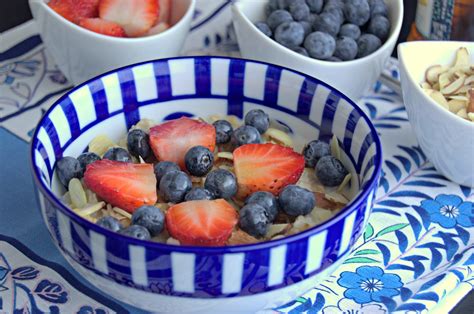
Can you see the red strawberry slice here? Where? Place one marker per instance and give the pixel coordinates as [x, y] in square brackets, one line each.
[135, 16]
[75, 10]
[171, 140]
[266, 167]
[103, 27]
[122, 184]
[164, 11]
[206, 223]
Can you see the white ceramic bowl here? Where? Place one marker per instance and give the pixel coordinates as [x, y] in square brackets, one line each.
[81, 54]
[446, 139]
[353, 78]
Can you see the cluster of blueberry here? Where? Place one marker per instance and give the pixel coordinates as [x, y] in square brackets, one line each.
[332, 30]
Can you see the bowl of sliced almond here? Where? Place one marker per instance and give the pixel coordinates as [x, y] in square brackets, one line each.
[438, 90]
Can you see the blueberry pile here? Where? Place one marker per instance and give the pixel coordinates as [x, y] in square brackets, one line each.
[331, 30]
[329, 170]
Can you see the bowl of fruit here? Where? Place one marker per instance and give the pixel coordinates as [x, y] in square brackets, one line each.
[89, 37]
[175, 194]
[344, 43]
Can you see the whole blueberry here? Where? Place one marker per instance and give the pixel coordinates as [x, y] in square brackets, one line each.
[174, 185]
[311, 18]
[299, 10]
[253, 220]
[163, 167]
[245, 134]
[198, 193]
[295, 200]
[327, 23]
[267, 200]
[367, 43]
[137, 143]
[333, 59]
[320, 45]
[68, 168]
[336, 8]
[379, 25]
[274, 5]
[278, 17]
[259, 119]
[315, 150]
[350, 30]
[150, 217]
[86, 159]
[357, 12]
[109, 222]
[307, 26]
[264, 28]
[301, 51]
[198, 160]
[223, 131]
[136, 231]
[221, 183]
[289, 34]
[378, 7]
[118, 154]
[315, 6]
[346, 48]
[330, 171]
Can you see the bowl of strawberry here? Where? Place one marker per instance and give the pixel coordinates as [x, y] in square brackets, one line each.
[248, 184]
[89, 37]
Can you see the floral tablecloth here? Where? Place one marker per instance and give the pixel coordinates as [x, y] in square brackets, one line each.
[416, 255]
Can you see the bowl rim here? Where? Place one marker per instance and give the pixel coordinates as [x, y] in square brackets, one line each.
[187, 15]
[358, 200]
[411, 80]
[395, 31]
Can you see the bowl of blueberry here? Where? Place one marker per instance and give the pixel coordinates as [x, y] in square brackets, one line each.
[343, 42]
[178, 195]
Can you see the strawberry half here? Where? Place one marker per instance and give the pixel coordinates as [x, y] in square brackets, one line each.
[164, 11]
[135, 16]
[75, 10]
[171, 140]
[103, 27]
[122, 184]
[206, 223]
[266, 167]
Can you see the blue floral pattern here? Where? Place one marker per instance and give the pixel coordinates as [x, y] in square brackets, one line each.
[369, 283]
[449, 211]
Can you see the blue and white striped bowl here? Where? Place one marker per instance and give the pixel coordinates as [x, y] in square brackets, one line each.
[168, 278]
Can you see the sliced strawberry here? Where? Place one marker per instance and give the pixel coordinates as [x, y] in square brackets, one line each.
[171, 140]
[122, 184]
[75, 10]
[266, 167]
[103, 27]
[206, 223]
[135, 16]
[164, 11]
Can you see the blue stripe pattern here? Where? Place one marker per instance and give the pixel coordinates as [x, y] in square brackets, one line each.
[204, 275]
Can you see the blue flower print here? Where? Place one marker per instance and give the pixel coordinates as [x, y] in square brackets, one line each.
[369, 283]
[449, 210]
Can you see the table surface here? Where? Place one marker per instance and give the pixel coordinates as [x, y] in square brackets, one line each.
[12, 14]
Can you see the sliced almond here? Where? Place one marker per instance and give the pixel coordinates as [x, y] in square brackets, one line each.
[239, 237]
[225, 155]
[444, 80]
[89, 210]
[462, 113]
[454, 86]
[320, 215]
[77, 193]
[335, 149]
[100, 144]
[456, 105]
[122, 212]
[172, 241]
[275, 229]
[462, 57]
[433, 72]
[145, 125]
[279, 136]
[344, 182]
[470, 106]
[469, 80]
[439, 98]
[425, 85]
[470, 115]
